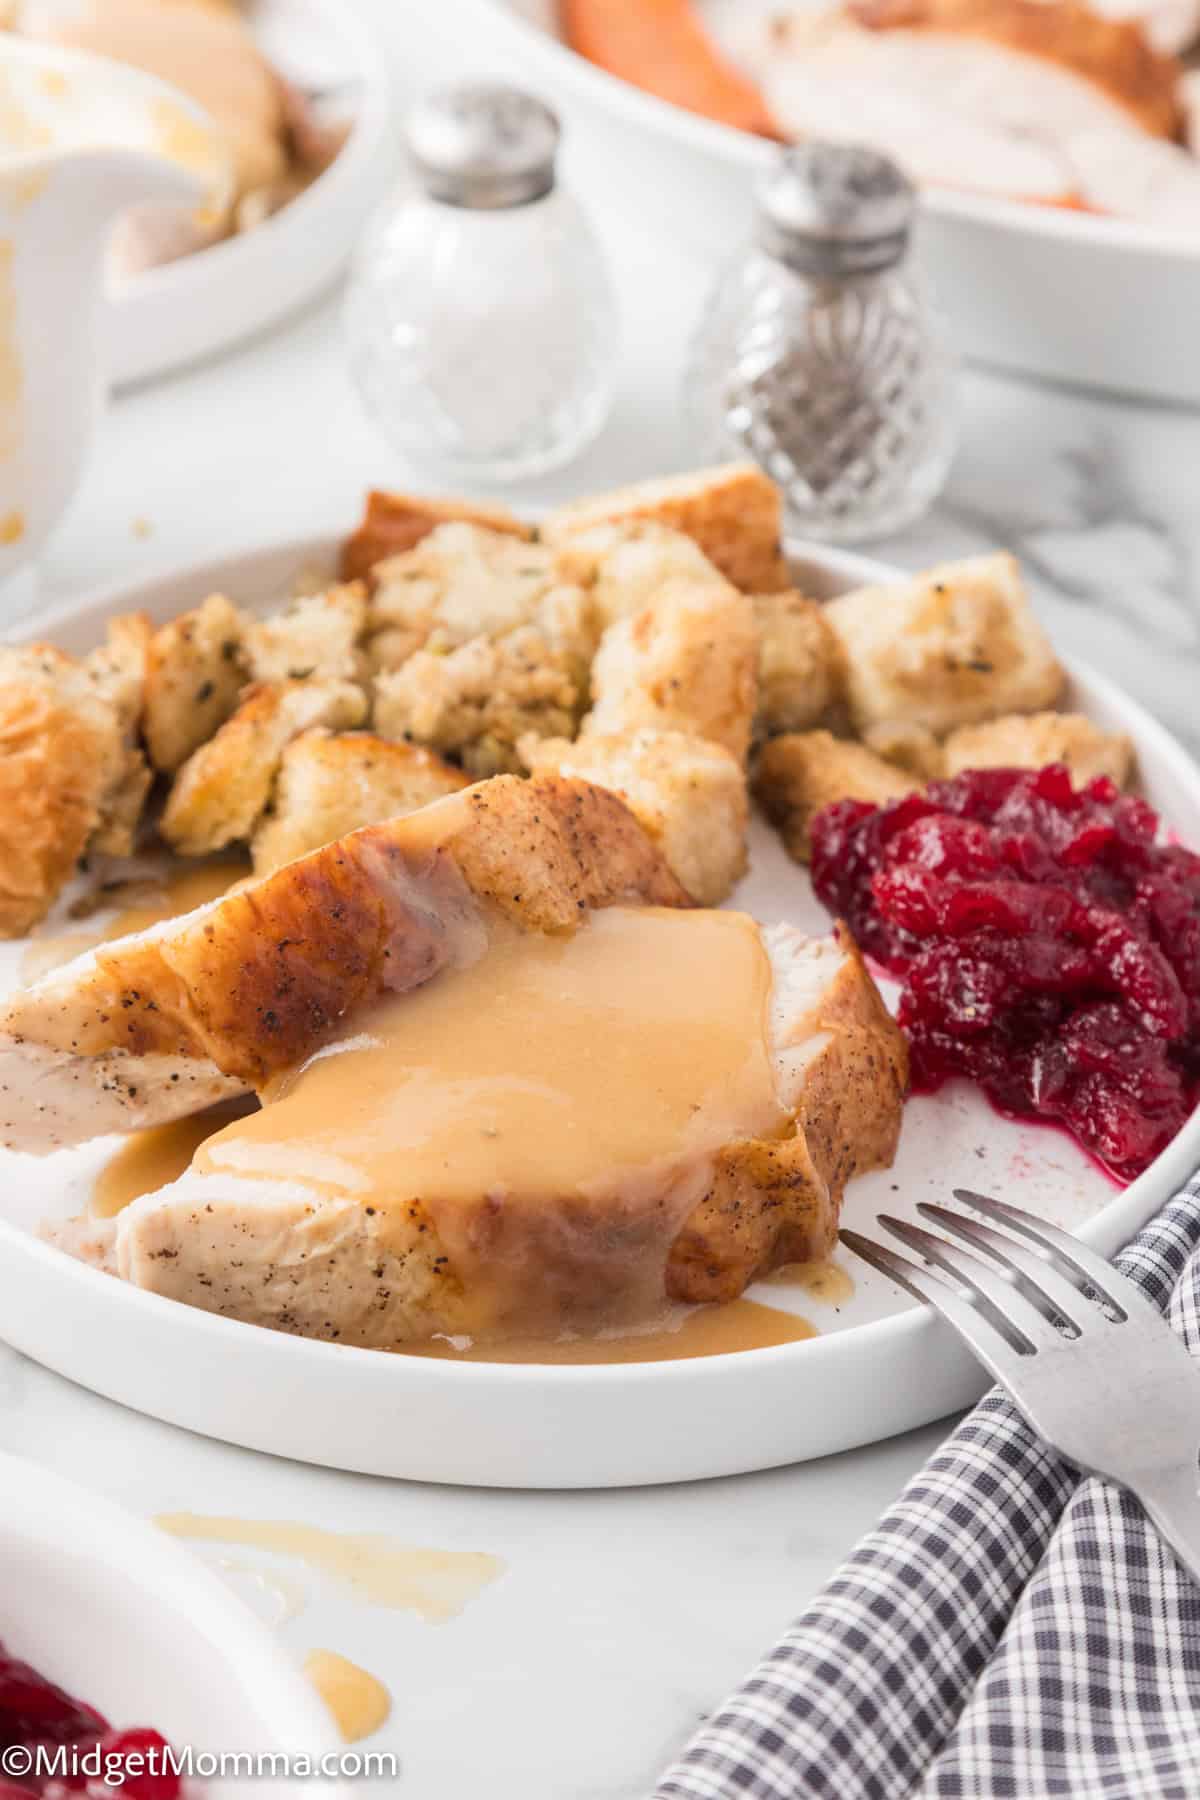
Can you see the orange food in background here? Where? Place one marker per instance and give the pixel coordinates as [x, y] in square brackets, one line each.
[661, 47]
[1065, 202]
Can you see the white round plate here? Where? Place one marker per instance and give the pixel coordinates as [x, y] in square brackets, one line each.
[200, 304]
[125, 1619]
[880, 1364]
[1041, 289]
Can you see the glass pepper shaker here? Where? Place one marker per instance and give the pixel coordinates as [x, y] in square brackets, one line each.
[481, 324]
[818, 356]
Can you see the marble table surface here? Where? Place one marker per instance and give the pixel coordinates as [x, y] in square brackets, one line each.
[621, 1616]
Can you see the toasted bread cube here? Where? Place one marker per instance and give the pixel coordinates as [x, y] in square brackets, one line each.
[194, 676]
[316, 634]
[332, 783]
[625, 566]
[799, 663]
[802, 771]
[688, 663]
[1031, 740]
[476, 702]
[119, 669]
[121, 665]
[464, 581]
[911, 747]
[688, 794]
[223, 789]
[124, 799]
[955, 645]
[61, 751]
[393, 523]
[732, 513]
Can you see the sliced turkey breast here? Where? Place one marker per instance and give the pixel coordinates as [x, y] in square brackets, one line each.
[979, 94]
[1145, 179]
[578, 1224]
[1169, 25]
[159, 1024]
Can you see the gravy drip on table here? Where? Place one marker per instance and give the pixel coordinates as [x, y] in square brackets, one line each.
[609, 1066]
[359, 1702]
[436, 1584]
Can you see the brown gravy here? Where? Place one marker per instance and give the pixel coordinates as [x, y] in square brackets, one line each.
[359, 1702]
[436, 1584]
[825, 1281]
[705, 1331]
[150, 1159]
[553, 1109]
[180, 891]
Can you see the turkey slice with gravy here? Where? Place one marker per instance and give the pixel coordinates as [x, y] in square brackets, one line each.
[162, 1023]
[563, 1134]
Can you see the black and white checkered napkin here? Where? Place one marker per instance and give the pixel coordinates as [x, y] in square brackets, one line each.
[1008, 1629]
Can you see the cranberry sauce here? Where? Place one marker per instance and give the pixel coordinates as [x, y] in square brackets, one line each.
[1048, 943]
[35, 1714]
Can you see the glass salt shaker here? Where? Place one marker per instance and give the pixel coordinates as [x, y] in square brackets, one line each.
[818, 355]
[481, 323]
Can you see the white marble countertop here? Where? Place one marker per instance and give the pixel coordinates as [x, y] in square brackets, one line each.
[622, 1616]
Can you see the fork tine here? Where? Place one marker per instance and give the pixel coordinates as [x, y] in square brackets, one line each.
[992, 1293]
[1081, 1266]
[995, 1344]
[1038, 1279]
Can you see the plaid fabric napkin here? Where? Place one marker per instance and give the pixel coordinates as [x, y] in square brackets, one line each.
[1009, 1629]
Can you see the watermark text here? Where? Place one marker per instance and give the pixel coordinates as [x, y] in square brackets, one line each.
[96, 1766]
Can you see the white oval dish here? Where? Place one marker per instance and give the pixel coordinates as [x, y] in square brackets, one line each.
[1042, 290]
[881, 1365]
[125, 1619]
[200, 304]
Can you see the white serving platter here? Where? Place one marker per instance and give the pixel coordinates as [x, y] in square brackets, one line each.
[879, 1365]
[1042, 290]
[182, 311]
[127, 1620]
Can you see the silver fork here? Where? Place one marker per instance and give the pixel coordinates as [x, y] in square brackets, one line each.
[1094, 1367]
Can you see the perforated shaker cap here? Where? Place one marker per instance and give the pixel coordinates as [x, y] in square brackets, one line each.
[484, 145]
[835, 209]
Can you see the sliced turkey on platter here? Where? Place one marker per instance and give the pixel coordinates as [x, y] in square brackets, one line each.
[1042, 100]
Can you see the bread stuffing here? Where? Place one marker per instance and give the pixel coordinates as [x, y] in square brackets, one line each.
[62, 762]
[465, 581]
[686, 663]
[799, 663]
[195, 672]
[1030, 741]
[953, 646]
[803, 771]
[318, 634]
[732, 513]
[394, 523]
[475, 703]
[688, 793]
[332, 782]
[224, 788]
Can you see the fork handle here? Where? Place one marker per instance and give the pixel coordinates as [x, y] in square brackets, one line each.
[1171, 1498]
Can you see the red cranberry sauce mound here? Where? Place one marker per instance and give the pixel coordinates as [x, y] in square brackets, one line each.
[1048, 943]
[35, 1713]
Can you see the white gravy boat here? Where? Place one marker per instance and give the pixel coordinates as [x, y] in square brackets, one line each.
[82, 141]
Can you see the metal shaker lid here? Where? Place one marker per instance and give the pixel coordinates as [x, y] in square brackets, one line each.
[835, 209]
[483, 145]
